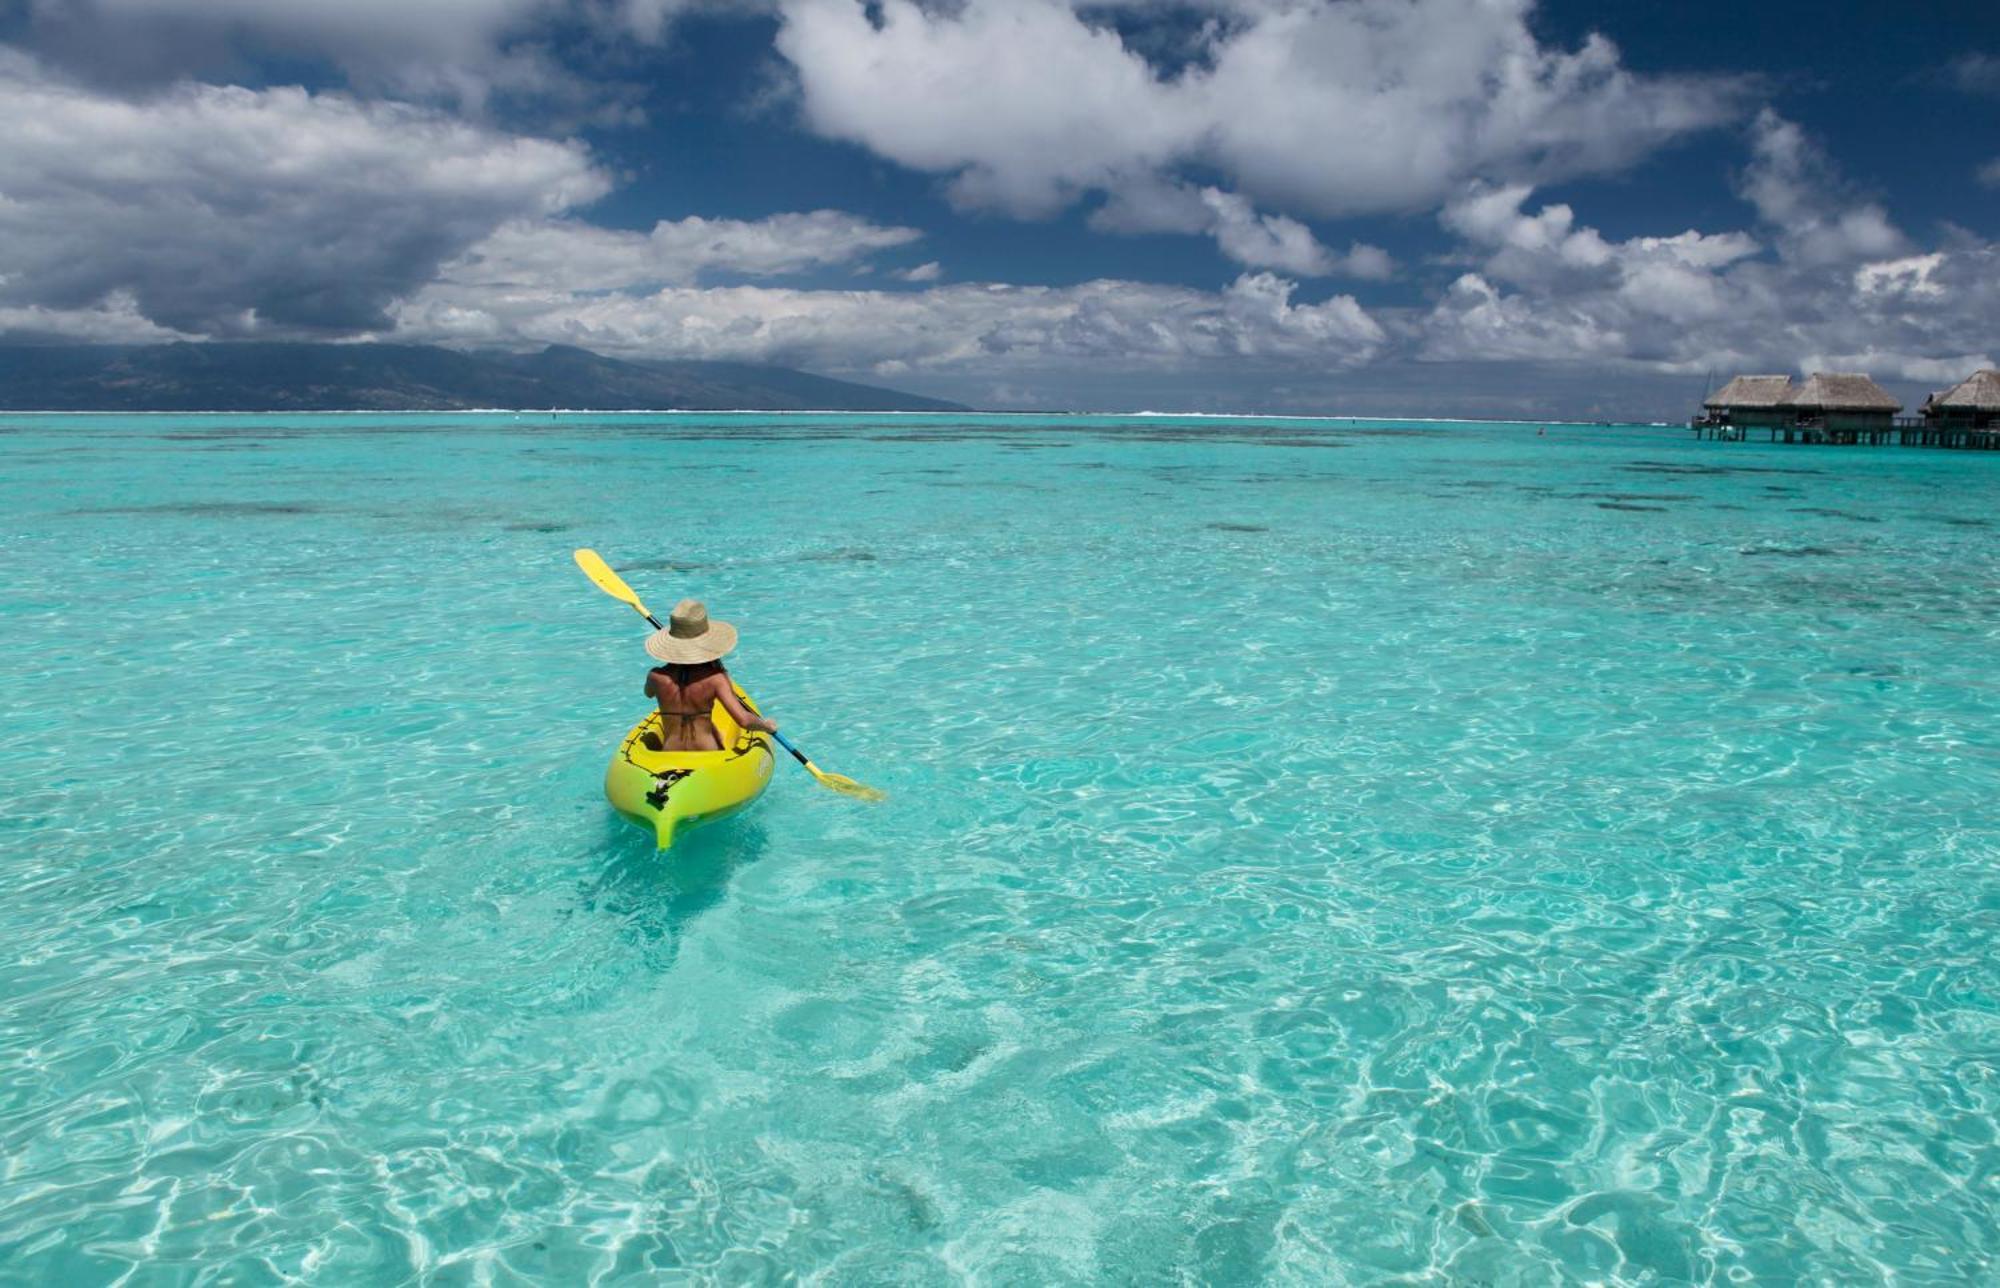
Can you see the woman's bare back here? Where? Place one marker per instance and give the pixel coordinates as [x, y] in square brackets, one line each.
[687, 695]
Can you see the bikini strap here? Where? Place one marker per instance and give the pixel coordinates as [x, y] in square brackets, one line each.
[686, 718]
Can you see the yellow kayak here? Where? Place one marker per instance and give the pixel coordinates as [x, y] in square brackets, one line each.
[665, 790]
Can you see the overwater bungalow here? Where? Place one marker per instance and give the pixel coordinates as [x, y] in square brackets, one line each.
[1972, 403]
[1842, 400]
[1751, 401]
[1840, 408]
[1827, 407]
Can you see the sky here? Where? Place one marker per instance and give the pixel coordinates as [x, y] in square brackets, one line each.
[1366, 207]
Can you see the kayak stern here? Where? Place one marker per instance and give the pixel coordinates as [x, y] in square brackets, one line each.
[665, 791]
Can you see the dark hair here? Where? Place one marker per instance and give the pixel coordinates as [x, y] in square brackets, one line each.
[686, 673]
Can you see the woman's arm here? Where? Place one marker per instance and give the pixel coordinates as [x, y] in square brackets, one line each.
[741, 714]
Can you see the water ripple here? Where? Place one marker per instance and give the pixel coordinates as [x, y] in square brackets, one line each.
[1287, 875]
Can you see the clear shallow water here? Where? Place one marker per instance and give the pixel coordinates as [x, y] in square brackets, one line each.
[1319, 852]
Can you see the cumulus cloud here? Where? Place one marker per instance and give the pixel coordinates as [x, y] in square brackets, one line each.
[225, 210]
[1549, 247]
[1024, 103]
[1989, 174]
[1155, 205]
[1476, 322]
[1792, 184]
[1276, 241]
[967, 329]
[1309, 107]
[1910, 277]
[1268, 241]
[1528, 247]
[571, 255]
[1827, 281]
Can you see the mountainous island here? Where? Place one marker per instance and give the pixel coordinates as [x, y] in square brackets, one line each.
[258, 376]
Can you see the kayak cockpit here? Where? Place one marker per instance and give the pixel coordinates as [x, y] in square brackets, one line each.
[666, 790]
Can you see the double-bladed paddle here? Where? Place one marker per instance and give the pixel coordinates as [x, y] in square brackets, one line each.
[612, 584]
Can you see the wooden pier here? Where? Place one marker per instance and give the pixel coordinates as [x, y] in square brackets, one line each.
[1902, 432]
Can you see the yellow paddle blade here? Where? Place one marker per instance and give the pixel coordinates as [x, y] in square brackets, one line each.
[838, 782]
[609, 582]
[847, 786]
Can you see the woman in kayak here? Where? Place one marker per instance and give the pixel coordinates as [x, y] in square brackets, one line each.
[692, 680]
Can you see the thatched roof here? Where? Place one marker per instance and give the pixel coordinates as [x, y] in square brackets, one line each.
[1843, 391]
[1978, 392]
[1752, 391]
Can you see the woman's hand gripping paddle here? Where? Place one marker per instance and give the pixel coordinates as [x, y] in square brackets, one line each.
[613, 585]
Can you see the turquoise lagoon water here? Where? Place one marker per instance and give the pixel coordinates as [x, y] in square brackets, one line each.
[1316, 852]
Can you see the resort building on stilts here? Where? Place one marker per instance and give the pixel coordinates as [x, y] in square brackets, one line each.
[1972, 403]
[1750, 401]
[1839, 400]
[1848, 408]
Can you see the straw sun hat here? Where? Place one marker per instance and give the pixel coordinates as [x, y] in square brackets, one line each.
[690, 636]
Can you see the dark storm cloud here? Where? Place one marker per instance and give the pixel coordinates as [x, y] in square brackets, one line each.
[461, 50]
[464, 52]
[222, 210]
